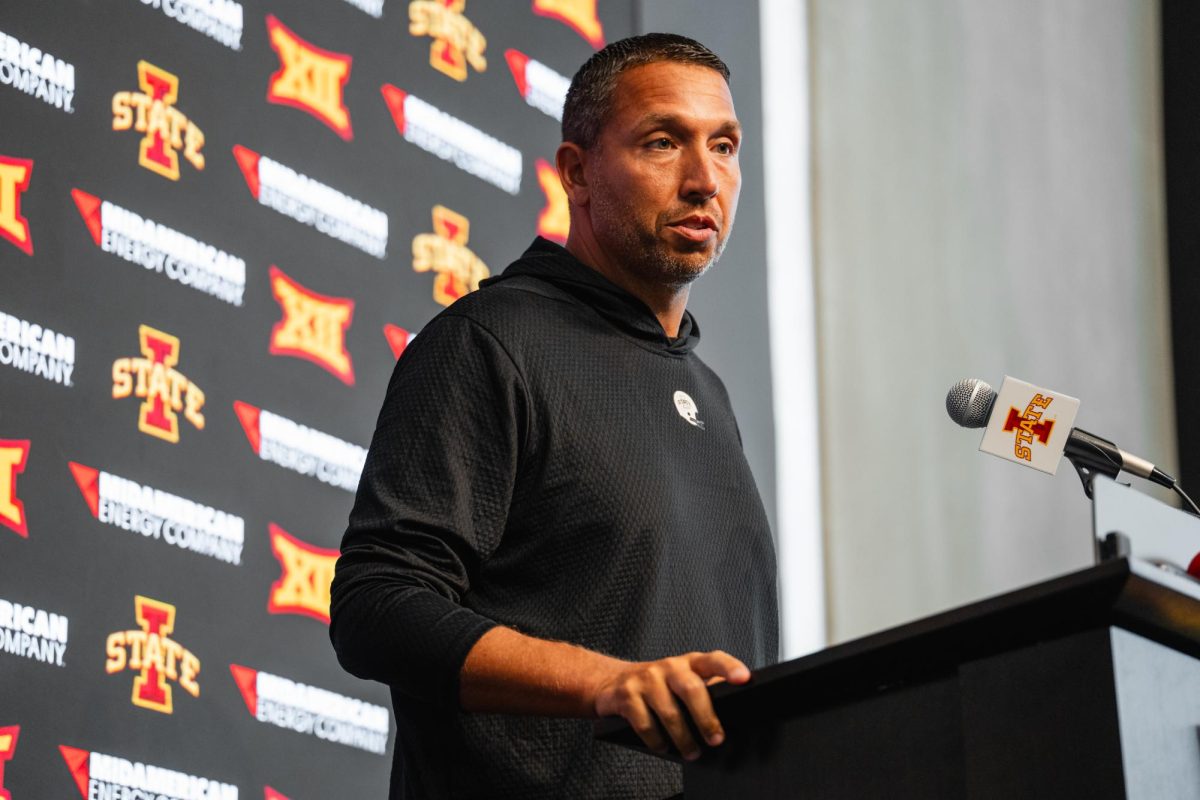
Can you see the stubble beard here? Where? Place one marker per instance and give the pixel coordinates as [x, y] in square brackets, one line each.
[645, 254]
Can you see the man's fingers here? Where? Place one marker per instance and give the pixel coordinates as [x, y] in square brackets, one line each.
[673, 692]
[662, 702]
[642, 721]
[718, 663]
[689, 687]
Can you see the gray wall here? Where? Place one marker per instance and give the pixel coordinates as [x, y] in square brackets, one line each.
[730, 301]
[987, 200]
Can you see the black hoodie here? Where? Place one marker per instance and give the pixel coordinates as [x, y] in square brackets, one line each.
[547, 459]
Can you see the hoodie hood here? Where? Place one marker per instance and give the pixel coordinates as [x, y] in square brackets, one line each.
[550, 262]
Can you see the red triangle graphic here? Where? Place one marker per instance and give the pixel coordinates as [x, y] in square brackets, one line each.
[271, 794]
[516, 62]
[397, 339]
[88, 480]
[394, 97]
[247, 683]
[248, 416]
[247, 160]
[89, 209]
[77, 762]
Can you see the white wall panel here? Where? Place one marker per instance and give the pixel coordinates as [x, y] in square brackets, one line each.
[987, 200]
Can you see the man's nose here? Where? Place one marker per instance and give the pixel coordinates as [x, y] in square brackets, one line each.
[700, 178]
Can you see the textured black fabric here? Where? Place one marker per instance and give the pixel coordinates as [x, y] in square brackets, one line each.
[530, 467]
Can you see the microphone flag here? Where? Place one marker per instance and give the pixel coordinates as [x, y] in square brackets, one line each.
[1029, 425]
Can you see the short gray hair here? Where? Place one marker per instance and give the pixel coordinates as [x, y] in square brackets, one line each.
[590, 98]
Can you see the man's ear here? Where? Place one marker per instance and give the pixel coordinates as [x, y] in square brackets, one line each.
[570, 160]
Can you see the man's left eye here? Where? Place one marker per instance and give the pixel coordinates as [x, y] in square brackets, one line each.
[661, 143]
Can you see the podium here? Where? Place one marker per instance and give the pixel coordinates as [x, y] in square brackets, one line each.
[1083, 686]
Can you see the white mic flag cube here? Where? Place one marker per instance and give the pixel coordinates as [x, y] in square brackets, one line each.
[1029, 425]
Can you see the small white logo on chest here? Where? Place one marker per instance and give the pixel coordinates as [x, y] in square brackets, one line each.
[686, 407]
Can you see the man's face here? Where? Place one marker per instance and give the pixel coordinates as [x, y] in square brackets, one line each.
[664, 175]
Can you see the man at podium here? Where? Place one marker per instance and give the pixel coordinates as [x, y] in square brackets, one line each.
[556, 521]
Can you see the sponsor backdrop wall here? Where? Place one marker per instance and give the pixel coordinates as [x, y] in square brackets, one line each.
[220, 223]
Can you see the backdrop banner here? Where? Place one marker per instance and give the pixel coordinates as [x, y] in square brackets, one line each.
[220, 224]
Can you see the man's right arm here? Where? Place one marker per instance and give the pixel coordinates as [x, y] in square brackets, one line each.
[509, 672]
[432, 505]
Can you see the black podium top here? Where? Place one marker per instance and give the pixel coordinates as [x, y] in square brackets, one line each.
[1129, 594]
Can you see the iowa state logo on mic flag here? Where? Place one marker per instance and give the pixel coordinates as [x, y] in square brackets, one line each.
[1029, 425]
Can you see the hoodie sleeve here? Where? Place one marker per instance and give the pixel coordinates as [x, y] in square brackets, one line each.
[432, 504]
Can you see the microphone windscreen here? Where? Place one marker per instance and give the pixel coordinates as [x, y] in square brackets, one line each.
[969, 402]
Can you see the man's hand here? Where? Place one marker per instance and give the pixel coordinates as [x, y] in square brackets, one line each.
[656, 689]
[510, 673]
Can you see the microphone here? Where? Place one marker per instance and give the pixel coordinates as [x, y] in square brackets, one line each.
[970, 402]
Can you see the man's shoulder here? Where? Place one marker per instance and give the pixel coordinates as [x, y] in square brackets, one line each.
[518, 305]
[516, 295]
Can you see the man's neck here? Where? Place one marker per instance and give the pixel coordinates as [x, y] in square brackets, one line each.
[666, 302]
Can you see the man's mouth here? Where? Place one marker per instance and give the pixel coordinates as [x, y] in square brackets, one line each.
[695, 228]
